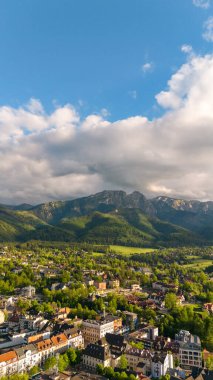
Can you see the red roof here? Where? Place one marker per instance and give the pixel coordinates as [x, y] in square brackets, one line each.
[8, 356]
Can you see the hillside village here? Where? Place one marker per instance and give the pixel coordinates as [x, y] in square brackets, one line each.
[70, 313]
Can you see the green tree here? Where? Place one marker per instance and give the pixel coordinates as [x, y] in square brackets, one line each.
[63, 362]
[171, 301]
[17, 376]
[109, 372]
[100, 369]
[132, 377]
[50, 363]
[72, 355]
[209, 363]
[34, 370]
[123, 376]
[123, 363]
[139, 345]
[165, 377]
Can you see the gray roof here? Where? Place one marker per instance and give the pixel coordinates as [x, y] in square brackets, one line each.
[97, 351]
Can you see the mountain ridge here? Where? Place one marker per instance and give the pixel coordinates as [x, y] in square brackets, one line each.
[136, 220]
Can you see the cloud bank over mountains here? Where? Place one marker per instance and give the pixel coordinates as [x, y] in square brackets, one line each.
[59, 155]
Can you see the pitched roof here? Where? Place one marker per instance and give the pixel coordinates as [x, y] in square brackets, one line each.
[72, 332]
[44, 344]
[98, 352]
[115, 340]
[59, 339]
[159, 357]
[8, 356]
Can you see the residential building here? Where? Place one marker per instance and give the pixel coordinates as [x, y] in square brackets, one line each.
[190, 355]
[208, 307]
[135, 356]
[8, 363]
[185, 336]
[60, 343]
[62, 313]
[117, 321]
[100, 285]
[75, 338]
[31, 323]
[113, 284]
[45, 349]
[27, 357]
[131, 318]
[160, 363]
[117, 343]
[28, 291]
[94, 330]
[164, 287]
[98, 353]
[135, 287]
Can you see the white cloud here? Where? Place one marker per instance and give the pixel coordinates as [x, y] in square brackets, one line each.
[58, 156]
[208, 29]
[186, 49]
[147, 67]
[35, 106]
[205, 4]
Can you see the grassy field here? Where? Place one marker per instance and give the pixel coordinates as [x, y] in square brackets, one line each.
[199, 263]
[96, 254]
[123, 250]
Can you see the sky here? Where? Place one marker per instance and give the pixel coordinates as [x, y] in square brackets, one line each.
[105, 94]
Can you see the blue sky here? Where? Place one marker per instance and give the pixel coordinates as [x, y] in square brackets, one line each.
[90, 53]
[105, 94]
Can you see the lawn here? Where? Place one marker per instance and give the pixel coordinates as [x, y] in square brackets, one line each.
[123, 250]
[199, 263]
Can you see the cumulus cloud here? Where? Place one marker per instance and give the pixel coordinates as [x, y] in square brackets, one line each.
[205, 4]
[208, 29]
[59, 155]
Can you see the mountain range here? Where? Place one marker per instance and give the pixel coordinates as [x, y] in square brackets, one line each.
[111, 217]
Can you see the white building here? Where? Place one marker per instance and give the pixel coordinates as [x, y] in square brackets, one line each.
[31, 323]
[28, 356]
[45, 349]
[161, 362]
[75, 338]
[94, 330]
[186, 337]
[8, 363]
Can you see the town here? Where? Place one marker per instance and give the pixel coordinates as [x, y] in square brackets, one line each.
[91, 312]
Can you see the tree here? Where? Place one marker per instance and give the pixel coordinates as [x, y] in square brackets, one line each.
[139, 345]
[50, 363]
[171, 301]
[63, 362]
[17, 376]
[132, 377]
[165, 377]
[34, 370]
[72, 355]
[100, 369]
[123, 363]
[109, 372]
[123, 376]
[209, 363]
